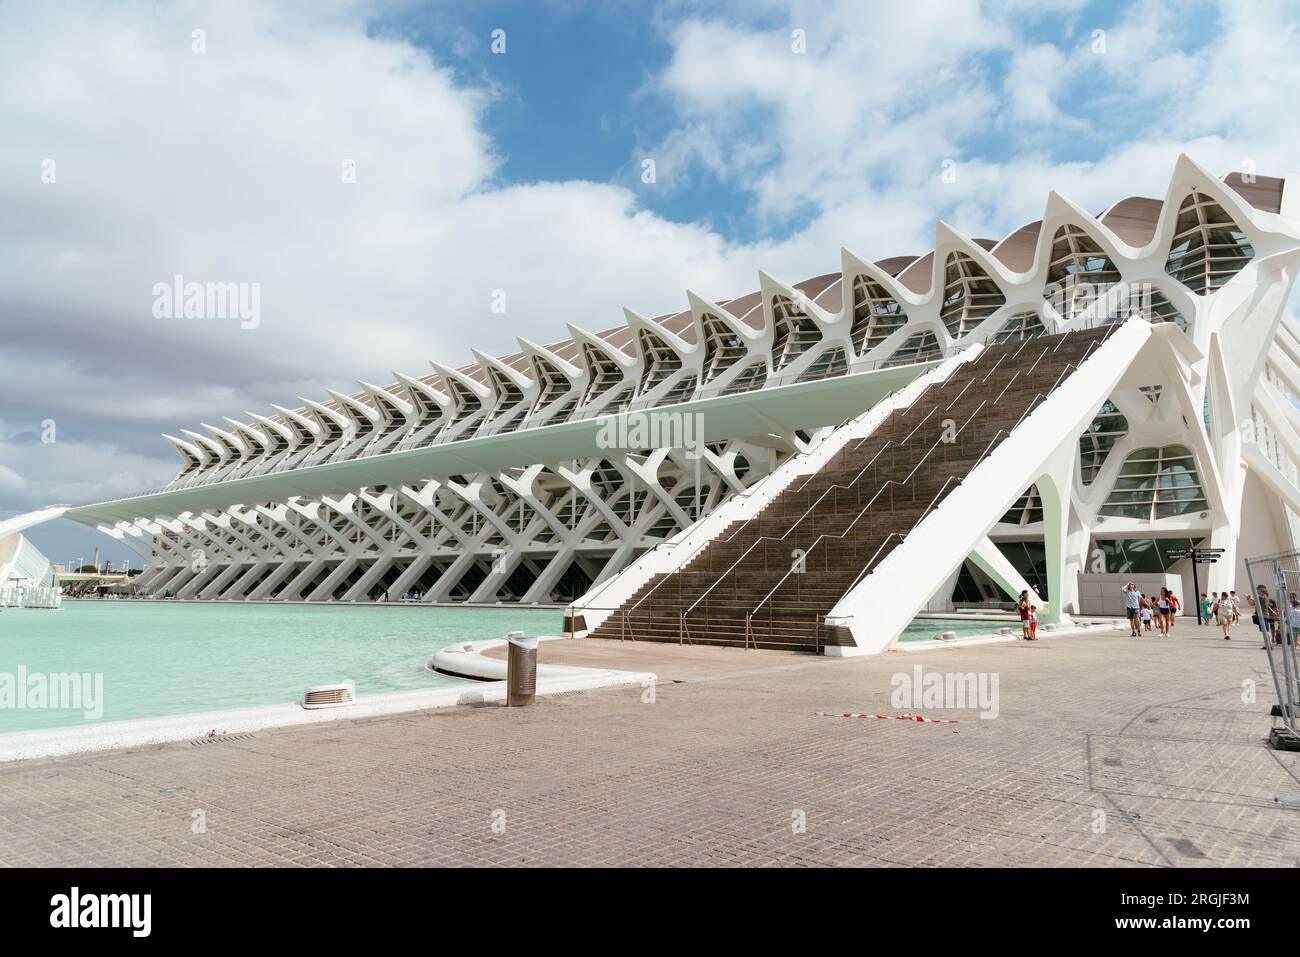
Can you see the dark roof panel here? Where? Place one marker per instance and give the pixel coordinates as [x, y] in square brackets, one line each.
[1134, 219]
[1264, 193]
[894, 264]
[916, 277]
[747, 308]
[823, 290]
[1016, 252]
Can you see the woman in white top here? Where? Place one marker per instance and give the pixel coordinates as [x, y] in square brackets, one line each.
[1222, 611]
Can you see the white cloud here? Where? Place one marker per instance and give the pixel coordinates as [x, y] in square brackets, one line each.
[1032, 82]
[227, 166]
[871, 93]
[69, 472]
[1019, 99]
[11, 481]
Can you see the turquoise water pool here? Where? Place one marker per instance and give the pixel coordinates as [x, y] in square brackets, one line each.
[924, 629]
[162, 658]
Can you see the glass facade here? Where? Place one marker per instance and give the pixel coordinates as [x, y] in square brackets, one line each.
[1027, 510]
[875, 315]
[921, 347]
[1156, 483]
[1107, 428]
[1078, 273]
[723, 347]
[1022, 325]
[1124, 556]
[551, 381]
[1155, 306]
[605, 372]
[661, 360]
[794, 332]
[1208, 248]
[969, 295]
[829, 364]
[1030, 559]
[751, 377]
[966, 589]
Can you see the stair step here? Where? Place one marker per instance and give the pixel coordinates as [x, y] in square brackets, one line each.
[903, 468]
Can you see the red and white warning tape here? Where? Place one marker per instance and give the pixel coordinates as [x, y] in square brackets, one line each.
[886, 717]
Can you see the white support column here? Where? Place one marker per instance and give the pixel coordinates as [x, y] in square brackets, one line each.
[1054, 485]
[992, 562]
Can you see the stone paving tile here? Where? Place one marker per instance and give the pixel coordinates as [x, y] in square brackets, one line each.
[730, 768]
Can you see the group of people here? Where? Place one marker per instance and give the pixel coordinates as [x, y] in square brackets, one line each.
[1143, 611]
[1267, 615]
[1225, 609]
[1028, 617]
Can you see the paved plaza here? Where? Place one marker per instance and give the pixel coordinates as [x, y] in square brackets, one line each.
[1106, 751]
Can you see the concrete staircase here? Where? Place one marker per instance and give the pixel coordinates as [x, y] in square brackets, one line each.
[771, 580]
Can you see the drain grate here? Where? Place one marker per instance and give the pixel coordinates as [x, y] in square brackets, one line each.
[223, 737]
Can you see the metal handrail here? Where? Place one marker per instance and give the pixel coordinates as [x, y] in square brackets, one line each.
[1042, 355]
[669, 545]
[994, 369]
[807, 511]
[888, 484]
[969, 382]
[870, 561]
[924, 512]
[1023, 342]
[1010, 381]
[714, 541]
[741, 527]
[828, 490]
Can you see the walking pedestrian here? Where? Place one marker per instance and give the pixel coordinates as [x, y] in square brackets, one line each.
[1133, 608]
[1162, 612]
[1265, 615]
[1222, 612]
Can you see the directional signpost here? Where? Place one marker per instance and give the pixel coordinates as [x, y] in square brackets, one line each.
[1199, 556]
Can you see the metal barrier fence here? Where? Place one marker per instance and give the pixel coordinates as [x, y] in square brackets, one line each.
[1274, 607]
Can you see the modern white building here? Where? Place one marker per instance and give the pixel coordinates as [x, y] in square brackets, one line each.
[610, 466]
[27, 580]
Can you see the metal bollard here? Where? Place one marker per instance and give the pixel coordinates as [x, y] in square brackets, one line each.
[521, 669]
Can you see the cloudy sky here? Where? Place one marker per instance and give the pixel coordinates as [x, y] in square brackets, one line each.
[136, 149]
